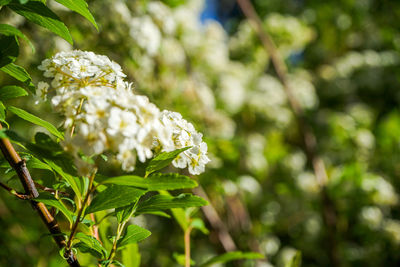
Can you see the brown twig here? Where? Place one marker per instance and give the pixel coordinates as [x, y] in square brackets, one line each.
[216, 222]
[308, 136]
[19, 166]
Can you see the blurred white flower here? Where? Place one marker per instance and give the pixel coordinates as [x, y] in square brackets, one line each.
[307, 182]
[392, 228]
[382, 191]
[372, 216]
[270, 245]
[146, 34]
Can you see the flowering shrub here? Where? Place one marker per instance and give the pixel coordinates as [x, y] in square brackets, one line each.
[113, 146]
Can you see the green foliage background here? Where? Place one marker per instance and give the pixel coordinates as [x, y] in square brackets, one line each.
[352, 59]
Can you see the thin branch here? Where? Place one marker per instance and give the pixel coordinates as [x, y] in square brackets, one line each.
[187, 245]
[216, 222]
[19, 166]
[308, 136]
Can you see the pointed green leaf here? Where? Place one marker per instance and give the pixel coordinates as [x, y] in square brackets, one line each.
[72, 181]
[115, 196]
[162, 202]
[81, 7]
[20, 74]
[40, 14]
[163, 160]
[36, 120]
[158, 181]
[130, 255]
[134, 234]
[230, 256]
[9, 30]
[35, 163]
[91, 243]
[198, 223]
[11, 91]
[50, 200]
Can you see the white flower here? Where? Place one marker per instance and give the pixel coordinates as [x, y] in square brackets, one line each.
[102, 114]
[183, 135]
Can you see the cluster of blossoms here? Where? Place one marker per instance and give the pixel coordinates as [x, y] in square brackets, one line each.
[102, 114]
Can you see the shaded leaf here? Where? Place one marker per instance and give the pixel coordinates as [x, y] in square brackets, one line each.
[39, 13]
[50, 200]
[91, 243]
[72, 181]
[134, 234]
[9, 50]
[115, 196]
[9, 30]
[36, 120]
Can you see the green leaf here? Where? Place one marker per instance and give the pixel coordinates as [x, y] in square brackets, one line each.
[159, 181]
[134, 234]
[35, 163]
[130, 255]
[39, 13]
[163, 160]
[81, 7]
[124, 213]
[36, 120]
[295, 261]
[20, 74]
[2, 112]
[115, 196]
[198, 223]
[230, 256]
[91, 244]
[11, 91]
[181, 259]
[50, 200]
[9, 30]
[162, 202]
[72, 181]
[4, 2]
[9, 50]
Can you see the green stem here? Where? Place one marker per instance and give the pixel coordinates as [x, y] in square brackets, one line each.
[120, 229]
[81, 209]
[187, 245]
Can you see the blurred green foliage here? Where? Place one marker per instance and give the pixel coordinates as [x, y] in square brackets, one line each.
[259, 181]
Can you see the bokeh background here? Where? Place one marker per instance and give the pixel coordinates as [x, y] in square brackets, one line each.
[204, 59]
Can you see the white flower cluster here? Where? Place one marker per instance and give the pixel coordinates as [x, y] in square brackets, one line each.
[103, 114]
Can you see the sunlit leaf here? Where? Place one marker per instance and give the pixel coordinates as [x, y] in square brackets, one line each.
[81, 7]
[40, 14]
[36, 120]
